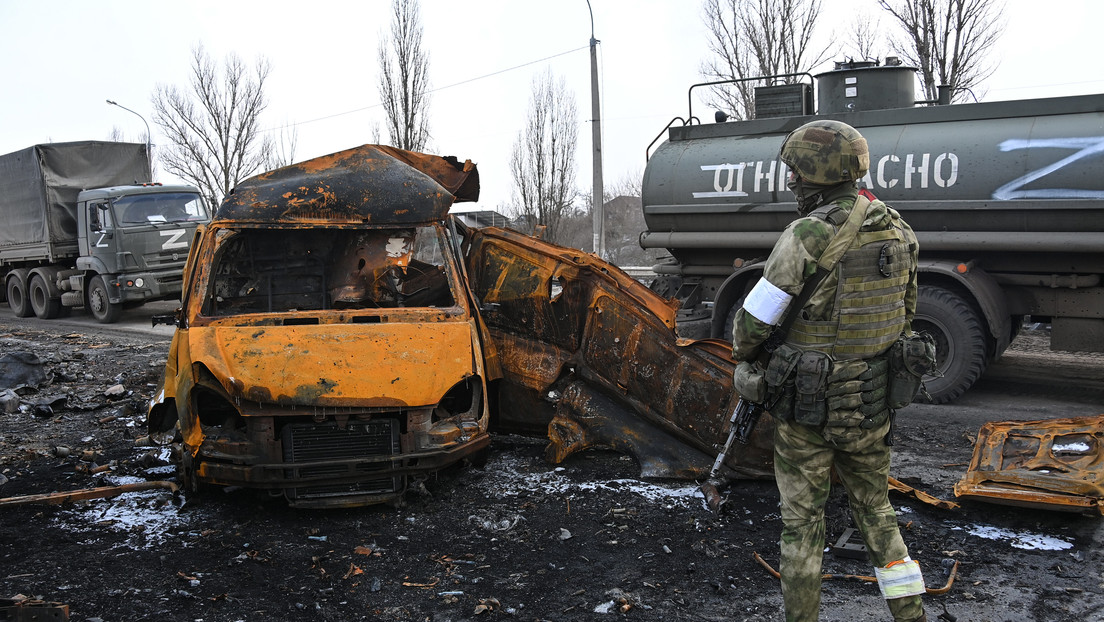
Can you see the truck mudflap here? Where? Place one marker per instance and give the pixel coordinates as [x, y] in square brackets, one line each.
[590, 355]
[1055, 464]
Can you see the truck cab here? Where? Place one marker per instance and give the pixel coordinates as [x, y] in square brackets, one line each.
[133, 243]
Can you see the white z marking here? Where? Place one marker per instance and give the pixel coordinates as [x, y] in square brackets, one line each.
[1087, 146]
[172, 243]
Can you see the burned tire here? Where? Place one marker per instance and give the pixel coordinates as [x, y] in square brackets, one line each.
[99, 305]
[17, 298]
[960, 341]
[45, 306]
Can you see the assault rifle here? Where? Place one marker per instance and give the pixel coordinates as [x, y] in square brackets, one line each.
[741, 424]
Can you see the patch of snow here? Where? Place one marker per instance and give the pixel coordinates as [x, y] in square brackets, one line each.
[148, 515]
[1071, 447]
[606, 607]
[1020, 540]
[506, 477]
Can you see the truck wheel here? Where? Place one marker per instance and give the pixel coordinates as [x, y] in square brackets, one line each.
[45, 306]
[100, 305]
[17, 298]
[960, 341]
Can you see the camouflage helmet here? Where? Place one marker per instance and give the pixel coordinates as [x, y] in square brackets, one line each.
[826, 152]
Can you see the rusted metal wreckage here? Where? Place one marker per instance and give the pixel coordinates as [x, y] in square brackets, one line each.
[1055, 464]
[340, 334]
[326, 346]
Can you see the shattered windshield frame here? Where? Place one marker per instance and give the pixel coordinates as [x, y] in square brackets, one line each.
[282, 270]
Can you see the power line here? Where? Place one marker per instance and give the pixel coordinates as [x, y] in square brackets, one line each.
[378, 104]
[1043, 86]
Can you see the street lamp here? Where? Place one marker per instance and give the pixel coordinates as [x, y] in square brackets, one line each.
[149, 147]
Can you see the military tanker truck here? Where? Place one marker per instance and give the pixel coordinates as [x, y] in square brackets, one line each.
[1007, 200]
[84, 226]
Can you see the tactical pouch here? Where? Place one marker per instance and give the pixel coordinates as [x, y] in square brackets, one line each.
[748, 381]
[875, 381]
[810, 385]
[910, 357]
[779, 378]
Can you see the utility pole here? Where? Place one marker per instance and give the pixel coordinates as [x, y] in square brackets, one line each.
[596, 140]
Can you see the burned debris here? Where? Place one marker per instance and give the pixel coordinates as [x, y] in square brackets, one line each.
[335, 340]
[1055, 464]
[589, 357]
[326, 348]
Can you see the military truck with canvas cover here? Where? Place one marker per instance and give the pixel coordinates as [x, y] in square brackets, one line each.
[85, 227]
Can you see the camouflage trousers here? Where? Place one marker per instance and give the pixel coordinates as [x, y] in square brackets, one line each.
[803, 463]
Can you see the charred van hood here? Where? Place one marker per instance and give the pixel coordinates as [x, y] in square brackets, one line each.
[356, 186]
[392, 365]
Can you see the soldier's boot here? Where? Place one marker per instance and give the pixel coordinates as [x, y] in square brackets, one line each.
[921, 618]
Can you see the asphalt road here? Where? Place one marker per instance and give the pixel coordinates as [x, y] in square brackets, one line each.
[134, 321]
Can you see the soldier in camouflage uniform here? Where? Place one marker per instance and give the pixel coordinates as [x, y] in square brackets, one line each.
[826, 385]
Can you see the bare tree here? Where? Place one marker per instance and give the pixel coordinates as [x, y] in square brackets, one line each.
[865, 37]
[282, 151]
[948, 40]
[404, 71]
[543, 163]
[753, 38]
[213, 129]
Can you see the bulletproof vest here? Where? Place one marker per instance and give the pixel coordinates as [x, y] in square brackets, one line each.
[869, 310]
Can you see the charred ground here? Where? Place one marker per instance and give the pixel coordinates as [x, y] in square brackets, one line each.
[516, 538]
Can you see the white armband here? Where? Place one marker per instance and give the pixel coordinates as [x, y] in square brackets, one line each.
[766, 302]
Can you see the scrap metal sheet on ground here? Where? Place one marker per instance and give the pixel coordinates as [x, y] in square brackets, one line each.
[1055, 464]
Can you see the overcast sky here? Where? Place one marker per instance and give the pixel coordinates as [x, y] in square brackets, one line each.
[63, 59]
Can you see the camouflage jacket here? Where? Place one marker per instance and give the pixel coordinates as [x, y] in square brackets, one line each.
[794, 259]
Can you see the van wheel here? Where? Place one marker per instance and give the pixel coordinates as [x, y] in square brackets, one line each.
[17, 298]
[960, 341]
[99, 305]
[46, 307]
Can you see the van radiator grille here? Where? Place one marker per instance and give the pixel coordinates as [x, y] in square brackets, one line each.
[304, 442]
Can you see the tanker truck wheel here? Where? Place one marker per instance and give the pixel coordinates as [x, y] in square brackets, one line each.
[99, 305]
[960, 341]
[46, 307]
[17, 297]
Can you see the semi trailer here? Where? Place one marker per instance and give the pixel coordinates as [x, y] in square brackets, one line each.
[1006, 198]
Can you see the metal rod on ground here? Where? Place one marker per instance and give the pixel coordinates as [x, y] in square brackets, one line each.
[57, 498]
[865, 578]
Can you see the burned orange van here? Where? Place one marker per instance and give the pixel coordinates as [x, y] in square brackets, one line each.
[327, 348]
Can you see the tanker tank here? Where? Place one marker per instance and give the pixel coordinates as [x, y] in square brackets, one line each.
[1006, 198]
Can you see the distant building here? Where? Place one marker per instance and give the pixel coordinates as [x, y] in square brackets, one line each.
[623, 205]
